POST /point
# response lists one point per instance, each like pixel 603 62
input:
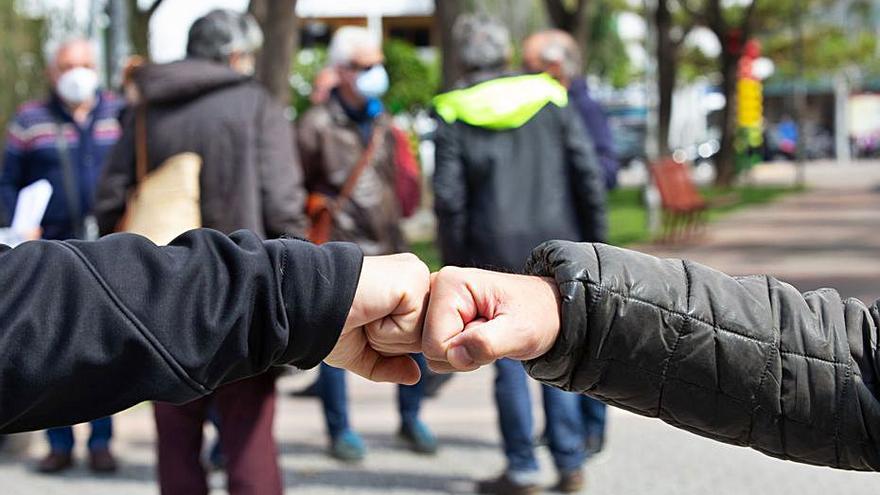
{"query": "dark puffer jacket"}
pixel 748 361
pixel 250 178
pixel 514 168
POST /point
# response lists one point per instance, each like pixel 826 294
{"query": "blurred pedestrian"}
pixel 556 53
pixel 515 167
pixel 351 156
pixel 65 139
pixel 209 104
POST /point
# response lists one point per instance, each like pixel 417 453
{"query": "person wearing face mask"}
pixel 348 150
pixel 65 139
pixel 210 105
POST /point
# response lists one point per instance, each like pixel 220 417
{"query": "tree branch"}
pixel 685 31
pixel 697 16
pixel 558 13
pixel 747 20
pixel 715 17
pixel 153 8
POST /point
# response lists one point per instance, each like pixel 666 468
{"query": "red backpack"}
pixel 408 182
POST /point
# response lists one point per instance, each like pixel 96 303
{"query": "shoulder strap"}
pixel 140 143
pixel 361 166
pixel 71 188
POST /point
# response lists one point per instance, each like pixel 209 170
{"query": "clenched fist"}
pixel 384 324
pixel 476 317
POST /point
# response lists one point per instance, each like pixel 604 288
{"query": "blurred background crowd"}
pixel 465 131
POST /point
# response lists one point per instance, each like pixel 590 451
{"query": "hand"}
pixel 476 317
pixel 32 234
pixel 384 324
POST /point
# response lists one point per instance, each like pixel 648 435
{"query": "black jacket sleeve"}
pixel 748 361
pixel 450 195
pixel 89 329
pixel 587 178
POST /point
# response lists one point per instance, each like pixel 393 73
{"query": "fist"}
pixel 476 317
pixel 384 324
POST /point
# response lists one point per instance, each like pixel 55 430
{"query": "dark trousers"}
pixel 334 397
pixel 61 439
pixel 246 410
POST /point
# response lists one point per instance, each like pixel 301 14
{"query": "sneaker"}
pixel 418 437
pixel 503 485
pixel 348 447
pixel 571 482
pixel 55 462
pixel 102 461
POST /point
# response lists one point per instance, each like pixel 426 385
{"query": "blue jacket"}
pixel 596 124
pixel 32 154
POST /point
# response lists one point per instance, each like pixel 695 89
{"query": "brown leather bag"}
pixel 164 203
pixel 321 208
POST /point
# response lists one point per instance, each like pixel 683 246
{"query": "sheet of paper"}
pixel 31 206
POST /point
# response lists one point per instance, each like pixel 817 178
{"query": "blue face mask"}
pixel 373 82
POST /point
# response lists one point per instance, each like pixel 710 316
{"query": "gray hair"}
pixel 483 42
pixel 54 46
pixel 220 33
pixel 560 48
pixel 347 40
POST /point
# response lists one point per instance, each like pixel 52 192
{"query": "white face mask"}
pixel 77 85
pixel 372 83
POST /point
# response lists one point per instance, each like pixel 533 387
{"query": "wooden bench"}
pixel 684 207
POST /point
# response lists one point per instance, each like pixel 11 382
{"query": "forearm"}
pixel 748 361
pixel 89 329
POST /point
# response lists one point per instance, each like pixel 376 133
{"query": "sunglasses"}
pixel 363 68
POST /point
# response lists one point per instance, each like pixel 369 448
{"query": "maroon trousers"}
pixel 246 409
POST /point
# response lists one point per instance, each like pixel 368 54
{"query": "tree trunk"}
pixel 139 29
pixel 667 68
pixel 447 11
pixel 277 19
pixel 574 22
pixel 726 161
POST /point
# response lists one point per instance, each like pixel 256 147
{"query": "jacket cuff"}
pixel 569 264
pixel 318 287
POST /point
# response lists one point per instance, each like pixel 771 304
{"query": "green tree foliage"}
pixel 306 65
pixel 22 69
pixel 413 82
pixel 605 52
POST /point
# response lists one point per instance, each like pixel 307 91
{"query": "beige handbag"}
pixel 164 203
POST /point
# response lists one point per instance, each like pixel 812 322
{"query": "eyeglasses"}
pixel 363 68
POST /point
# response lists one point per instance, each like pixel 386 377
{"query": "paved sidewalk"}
pixel 824 236
pixel 827 237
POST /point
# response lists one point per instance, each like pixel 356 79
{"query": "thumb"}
pixel 394 369
pixel 482 342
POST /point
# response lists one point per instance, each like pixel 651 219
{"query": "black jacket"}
pixel 514 168
pixel 748 361
pixel 89 329
pixel 250 178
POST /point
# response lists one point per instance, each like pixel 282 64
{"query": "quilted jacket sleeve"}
pixel 748 361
